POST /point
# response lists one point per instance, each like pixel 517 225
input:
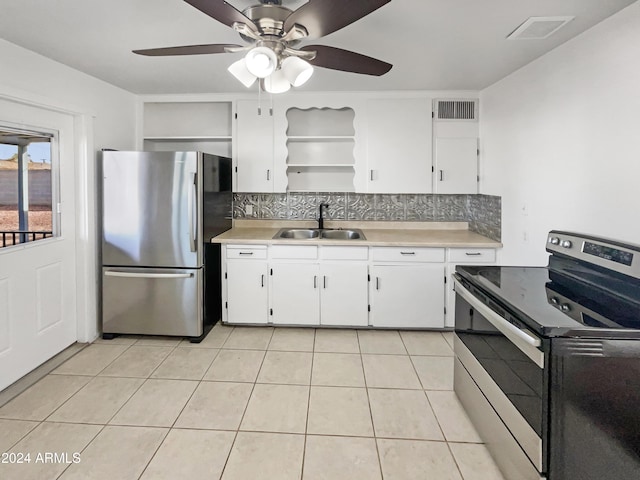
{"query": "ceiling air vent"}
pixel 538 28
pixel 456 109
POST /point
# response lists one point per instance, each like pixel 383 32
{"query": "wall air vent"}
pixel 538 28
pixel 456 109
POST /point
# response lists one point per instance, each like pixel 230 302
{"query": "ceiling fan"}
pixel 274 32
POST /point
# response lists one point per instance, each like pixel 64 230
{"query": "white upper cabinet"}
pixel 254 147
pixel 455 138
pixel 185 126
pixel 399 145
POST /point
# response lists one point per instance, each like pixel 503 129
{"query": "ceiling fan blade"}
pixel 186 50
pixel 322 17
pixel 222 11
pixel 347 61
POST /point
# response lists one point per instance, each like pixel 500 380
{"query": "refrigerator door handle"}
pixel 193 212
pixel 111 273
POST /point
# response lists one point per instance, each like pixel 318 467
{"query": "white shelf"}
pixel 216 138
pixel 321 138
pixel 330 165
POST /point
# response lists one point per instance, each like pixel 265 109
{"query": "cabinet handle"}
pixel 262 283
pixel 474 254
pixel 377 283
pixel 245 253
pixel 324 279
pixel 407 253
pixel 441 175
pixel 315 281
pixel 268 174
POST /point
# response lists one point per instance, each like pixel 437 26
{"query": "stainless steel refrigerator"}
pixel 159 209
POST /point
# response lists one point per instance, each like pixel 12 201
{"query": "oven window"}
pixel 517 376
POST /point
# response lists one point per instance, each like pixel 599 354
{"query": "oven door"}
pixel 506 362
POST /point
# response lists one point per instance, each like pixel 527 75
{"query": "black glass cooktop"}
pixel 562 302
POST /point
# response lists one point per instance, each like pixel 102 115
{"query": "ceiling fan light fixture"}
pixel 296 70
pixel 241 72
pixel 261 61
pixel 277 83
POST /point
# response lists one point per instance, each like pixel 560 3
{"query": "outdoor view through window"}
pixel 26 195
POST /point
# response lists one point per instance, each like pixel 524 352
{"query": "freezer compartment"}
pixel 152 301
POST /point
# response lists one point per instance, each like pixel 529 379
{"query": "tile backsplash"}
pixel 482 212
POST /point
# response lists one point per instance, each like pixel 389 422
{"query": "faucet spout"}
pixel 320 217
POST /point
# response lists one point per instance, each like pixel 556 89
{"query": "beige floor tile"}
pixel 390 371
pixel 336 341
pixel 411 460
pixel 186 363
pixel 403 414
pixel 452 418
pixel 435 373
pixel 137 361
pixel 381 341
pixel 39 400
pixel 91 360
pixel 190 454
pixel 249 338
pixel 293 339
pixel 157 403
pixel 448 336
pixel 117 453
pixel 159 341
pixel 286 367
pixel 277 408
pixel 216 405
pixel 426 343
pixel 337 369
pixel 60 438
pixel 98 401
pixel 13 431
pixel 339 411
pixel 265 456
pixel 341 458
pixel 120 340
pixel 214 339
pixel 475 462
pixel 235 366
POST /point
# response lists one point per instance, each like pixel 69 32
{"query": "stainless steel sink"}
pixel 311 233
pixel 298 233
pixel 353 234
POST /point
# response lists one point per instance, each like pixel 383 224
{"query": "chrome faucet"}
pixel 320 218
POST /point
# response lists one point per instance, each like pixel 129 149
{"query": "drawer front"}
pixel 472 255
pixel 303 252
pixel 247 251
pixel 407 254
pixel 344 253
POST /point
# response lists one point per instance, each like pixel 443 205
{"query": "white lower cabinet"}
pixel 407 296
pixel 247 291
pixel 295 294
pixel 344 294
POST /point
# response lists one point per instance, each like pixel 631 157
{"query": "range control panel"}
pixel 616 256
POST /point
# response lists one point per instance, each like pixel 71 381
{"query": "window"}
pixel 27 186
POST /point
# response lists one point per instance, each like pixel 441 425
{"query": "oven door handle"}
pixel 524 340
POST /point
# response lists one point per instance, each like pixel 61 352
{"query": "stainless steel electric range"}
pixel 548 360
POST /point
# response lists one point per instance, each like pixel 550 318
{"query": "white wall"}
pixel 560 141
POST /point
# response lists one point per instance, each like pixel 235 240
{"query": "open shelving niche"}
pixel 186 126
pixel 320 146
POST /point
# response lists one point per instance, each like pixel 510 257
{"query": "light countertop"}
pixel 415 234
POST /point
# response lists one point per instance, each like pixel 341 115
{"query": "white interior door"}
pixel 38 279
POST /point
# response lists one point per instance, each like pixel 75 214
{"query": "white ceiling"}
pixel 432 44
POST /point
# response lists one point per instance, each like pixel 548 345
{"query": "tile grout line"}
pixel 306 424
pixel 373 426
pixel 83 449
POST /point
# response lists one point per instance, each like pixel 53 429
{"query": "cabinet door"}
pixel 254 147
pixel 344 294
pixel 295 294
pixel 407 296
pixel 456 165
pixel 247 298
pixel 399 145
